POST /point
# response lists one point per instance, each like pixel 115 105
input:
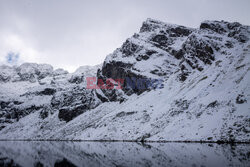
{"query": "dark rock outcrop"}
pixel 234 30
pixel 69 113
pixel 47 91
pixel 72 103
pixel 241 99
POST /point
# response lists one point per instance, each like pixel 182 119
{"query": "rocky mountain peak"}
pixel 161 49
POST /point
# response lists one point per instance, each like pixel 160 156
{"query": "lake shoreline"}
pixel 133 141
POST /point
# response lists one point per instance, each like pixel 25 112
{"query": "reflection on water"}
pixel 71 154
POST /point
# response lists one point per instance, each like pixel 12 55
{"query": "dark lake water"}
pixel 91 154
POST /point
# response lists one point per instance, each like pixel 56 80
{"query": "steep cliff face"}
pixel 160 50
pixel 205 92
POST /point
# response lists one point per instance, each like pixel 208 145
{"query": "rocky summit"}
pixel 205 92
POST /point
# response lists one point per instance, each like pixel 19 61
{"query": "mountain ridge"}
pixel 205 96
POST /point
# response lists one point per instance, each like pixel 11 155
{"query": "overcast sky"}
pixel 72 33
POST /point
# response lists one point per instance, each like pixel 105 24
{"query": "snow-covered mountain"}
pixel 205 92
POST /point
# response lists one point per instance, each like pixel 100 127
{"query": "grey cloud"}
pixel 68 33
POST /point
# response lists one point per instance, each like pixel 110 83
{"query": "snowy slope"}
pixel 206 94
